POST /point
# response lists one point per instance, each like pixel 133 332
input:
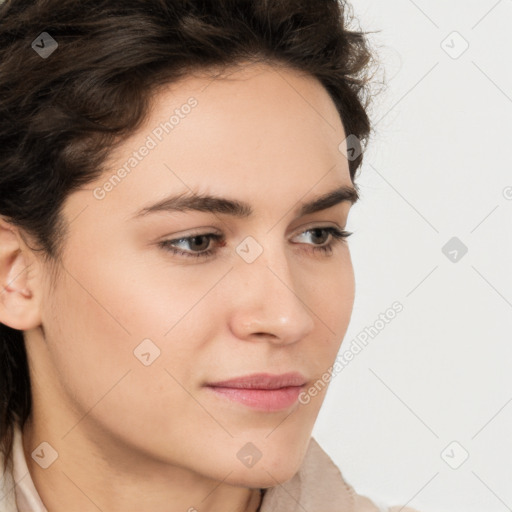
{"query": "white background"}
pixel 438 167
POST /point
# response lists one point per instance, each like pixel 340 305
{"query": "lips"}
pixel 261 391
pixel 265 381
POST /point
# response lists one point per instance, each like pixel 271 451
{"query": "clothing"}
pixel 318 486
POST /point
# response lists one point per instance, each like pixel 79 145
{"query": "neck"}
pixel 76 480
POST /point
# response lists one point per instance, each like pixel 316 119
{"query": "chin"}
pixel 264 473
pixel 260 479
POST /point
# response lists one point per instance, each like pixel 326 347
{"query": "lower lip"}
pixel 267 400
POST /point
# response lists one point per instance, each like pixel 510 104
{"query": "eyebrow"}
pixel 240 209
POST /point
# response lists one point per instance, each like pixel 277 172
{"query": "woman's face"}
pixel 133 332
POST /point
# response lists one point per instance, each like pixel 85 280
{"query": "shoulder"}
pixel 7 496
pixel 319 485
pixel 320 463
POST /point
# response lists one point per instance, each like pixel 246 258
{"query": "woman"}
pixel 176 281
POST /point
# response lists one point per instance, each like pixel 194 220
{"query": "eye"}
pixel 337 236
pixel 202 242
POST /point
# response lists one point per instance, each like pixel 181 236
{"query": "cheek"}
pixel 331 296
pixel 89 346
pixel 330 300
pixel 102 327
pixel 107 385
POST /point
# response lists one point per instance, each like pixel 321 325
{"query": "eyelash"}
pixel 338 236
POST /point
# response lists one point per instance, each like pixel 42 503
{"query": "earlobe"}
pixel 19 307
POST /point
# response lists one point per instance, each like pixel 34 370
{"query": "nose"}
pixel 269 303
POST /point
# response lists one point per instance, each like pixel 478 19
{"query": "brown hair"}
pixel 62 114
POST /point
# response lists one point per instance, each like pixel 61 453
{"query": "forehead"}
pixel 258 129
pixel 250 102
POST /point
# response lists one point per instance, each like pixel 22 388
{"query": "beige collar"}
pixel 318 485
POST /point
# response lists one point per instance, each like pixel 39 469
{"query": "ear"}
pixel 19 292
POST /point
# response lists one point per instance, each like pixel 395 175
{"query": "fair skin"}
pixel 132 437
